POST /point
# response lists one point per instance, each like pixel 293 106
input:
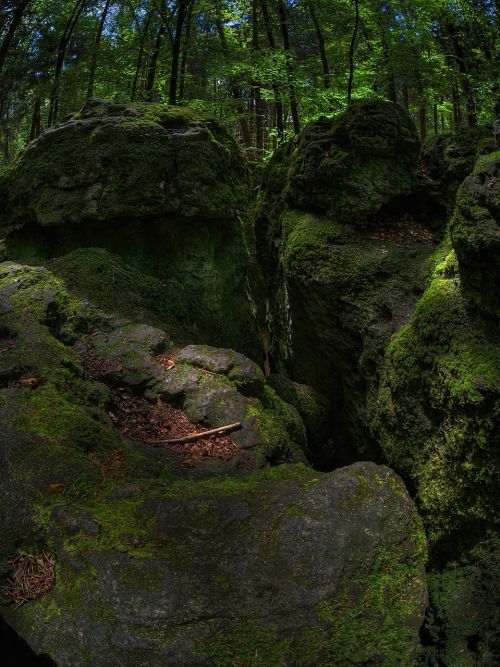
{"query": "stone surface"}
pixel 340 280
pixel 157 199
pixel 302 569
pixel 449 158
pixel 438 407
pixel 158 161
pixel 475 234
pixel 243 372
pixel 348 166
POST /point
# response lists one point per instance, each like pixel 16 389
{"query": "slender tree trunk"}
pixel 185 48
pixel 435 118
pixel 288 59
pixel 321 44
pixel 36 121
pixel 352 46
pixel 422 108
pixel 406 98
pixel 258 107
pixel 61 53
pixel 278 104
pixel 138 66
pixel 176 47
pixel 14 24
pixel 93 64
pixel 153 63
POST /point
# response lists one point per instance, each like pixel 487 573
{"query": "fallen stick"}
pixel 200 436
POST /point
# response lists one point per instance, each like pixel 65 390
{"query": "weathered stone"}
pixel 163 192
pixel 245 373
pixel 475 234
pixel 306 569
pixel 348 166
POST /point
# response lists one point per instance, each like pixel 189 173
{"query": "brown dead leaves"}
pixel 33 577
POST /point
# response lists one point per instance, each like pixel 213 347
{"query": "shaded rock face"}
pixel 229 578
pixel 475 234
pixel 449 158
pixel 156 186
pixel 345 261
pixel 437 419
pixel 465 600
pixel 113 162
pixel 437 412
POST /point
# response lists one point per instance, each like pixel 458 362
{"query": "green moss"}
pixel 438 408
pixel 281 430
pixel 249 644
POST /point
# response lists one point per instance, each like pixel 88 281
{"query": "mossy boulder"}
pixel 164 192
pixel 475 234
pixel 449 158
pixel 438 410
pixel 348 166
pixel 283 566
pixel 133 162
pixel 345 255
pixel 227 581
pixel 217 387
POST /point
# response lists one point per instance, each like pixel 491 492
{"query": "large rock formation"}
pixel 156 564
pixel 475 234
pixel 157 186
pixel 344 273
pixel 437 418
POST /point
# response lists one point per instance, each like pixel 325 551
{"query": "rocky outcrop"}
pixel 159 187
pixel 344 259
pixel 225 575
pixel 437 411
pixel 449 158
pixel 475 234
pixel 348 166
pixel 161 565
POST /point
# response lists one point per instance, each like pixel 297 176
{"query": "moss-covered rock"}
pixel 160 188
pixel 345 257
pixel 475 234
pixel 228 581
pixel 438 410
pixel 339 296
pixel 449 158
pixel 463 617
pixel 348 166
pixel 220 387
pixel 133 162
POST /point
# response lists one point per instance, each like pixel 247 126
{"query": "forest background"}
pixel 263 67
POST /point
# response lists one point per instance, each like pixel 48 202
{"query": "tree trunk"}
pixel 93 64
pixel 36 121
pixel 182 79
pixel 138 66
pixel 406 98
pixel 258 106
pixel 176 48
pixel 278 104
pixel 321 44
pixel 61 53
pixel 235 91
pixel 14 24
pixel 288 59
pixel 352 46
pixel 153 63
